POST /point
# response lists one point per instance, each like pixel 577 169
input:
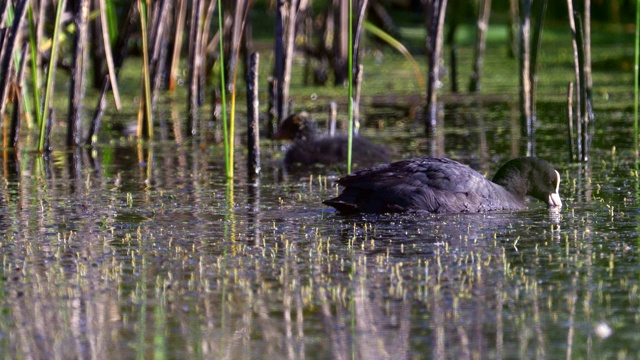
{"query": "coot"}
pixel 439 185
pixel 310 148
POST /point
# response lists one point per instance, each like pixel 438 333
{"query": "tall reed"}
pixel 635 79
pixel 44 113
pixel 35 72
pixel 350 91
pixel 145 122
pixel 232 119
pixel 108 25
pixel 228 157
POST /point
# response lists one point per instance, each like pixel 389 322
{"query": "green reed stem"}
pixel 112 20
pixel 44 113
pixel 350 62
pixel 223 88
pixel 635 79
pixel 17 57
pixel 145 68
pixel 35 74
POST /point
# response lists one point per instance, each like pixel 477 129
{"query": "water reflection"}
pixel 133 251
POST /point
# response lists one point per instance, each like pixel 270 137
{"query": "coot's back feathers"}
pixel 440 185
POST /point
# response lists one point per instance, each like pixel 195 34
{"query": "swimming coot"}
pixel 439 185
pixel 310 148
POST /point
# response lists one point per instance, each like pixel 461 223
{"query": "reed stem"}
pixel 350 91
pixel 635 78
pixel 223 89
pixel 50 77
pixel 35 72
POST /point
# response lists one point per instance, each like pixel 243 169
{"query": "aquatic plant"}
pixel 636 74
pixel 48 92
pixel 350 89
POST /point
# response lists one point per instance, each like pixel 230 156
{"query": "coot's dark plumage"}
pixel 310 148
pixel 439 185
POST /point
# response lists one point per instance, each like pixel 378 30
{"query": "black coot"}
pixel 439 185
pixel 310 148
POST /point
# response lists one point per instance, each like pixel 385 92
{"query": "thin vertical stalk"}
pixel 35 71
pixel 223 88
pixel 195 63
pixel 570 118
pixel 159 40
pixel 288 54
pixel 341 42
pixel 278 66
pixel 272 106
pixel 234 37
pixel 587 46
pixel 578 85
pixel 362 10
pixel 15 122
pixel 356 67
pixel 524 61
pixel 350 91
pixel 107 40
pixel 77 88
pixel 333 118
pixel 536 44
pixel 636 73
pixel 582 90
pixel 11 43
pixel 48 92
pixel 232 122
pixel 23 99
pixel 356 98
pixel 450 40
pixel 513 28
pixel 436 10
pixel 120 50
pixel 146 76
pixel 112 19
pixel 253 135
pixel 175 58
pixel 484 11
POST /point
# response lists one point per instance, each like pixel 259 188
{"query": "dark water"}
pixel 132 251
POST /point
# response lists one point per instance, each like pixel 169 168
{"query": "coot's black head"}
pixel 530 176
pixel 298 126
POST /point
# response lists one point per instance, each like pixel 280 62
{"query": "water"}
pixel 130 251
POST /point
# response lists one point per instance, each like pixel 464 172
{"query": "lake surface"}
pixel 144 251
